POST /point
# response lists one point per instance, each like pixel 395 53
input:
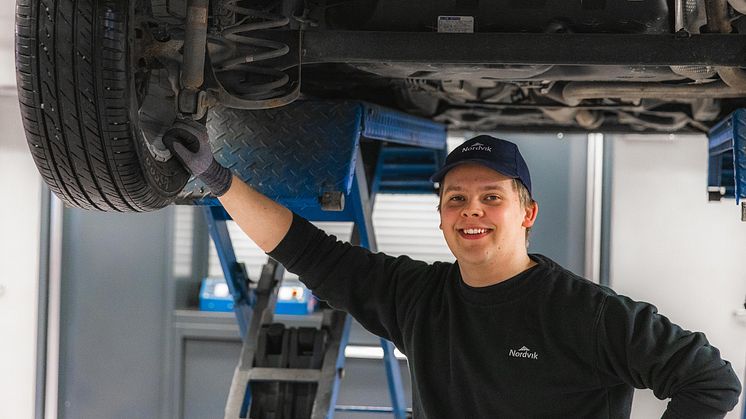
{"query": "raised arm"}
pixel 265 221
pixel 368 286
pixel 261 218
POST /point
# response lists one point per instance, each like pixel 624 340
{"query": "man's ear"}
pixel 530 213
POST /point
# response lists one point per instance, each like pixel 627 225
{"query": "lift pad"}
pixel 727 160
pixel 325 161
pixel 303 155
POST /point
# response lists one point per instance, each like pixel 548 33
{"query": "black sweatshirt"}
pixel 543 344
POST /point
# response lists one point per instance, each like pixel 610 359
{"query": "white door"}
pixel 671 247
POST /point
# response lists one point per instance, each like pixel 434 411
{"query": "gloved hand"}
pixel 188 141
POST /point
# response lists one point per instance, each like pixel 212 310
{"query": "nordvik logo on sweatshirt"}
pixel 477 147
pixel 524 352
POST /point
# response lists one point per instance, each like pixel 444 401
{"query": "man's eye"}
pixel 492 197
pixel 456 198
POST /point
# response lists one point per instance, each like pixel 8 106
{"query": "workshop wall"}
pixel 114 313
pixel 673 248
pixel 19 262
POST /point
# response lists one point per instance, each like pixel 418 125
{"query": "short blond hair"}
pixel 525 200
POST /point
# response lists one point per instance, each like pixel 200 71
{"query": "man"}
pixel 500 333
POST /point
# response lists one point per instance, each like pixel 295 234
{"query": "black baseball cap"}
pixel 499 155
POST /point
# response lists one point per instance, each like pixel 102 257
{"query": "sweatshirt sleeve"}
pixel 376 289
pixel 645 350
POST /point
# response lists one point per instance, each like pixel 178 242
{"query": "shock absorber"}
pixel 263 82
pixel 191 98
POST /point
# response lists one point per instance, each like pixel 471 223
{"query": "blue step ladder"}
pixel 326 161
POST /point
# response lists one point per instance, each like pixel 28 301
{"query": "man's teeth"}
pixel 475 230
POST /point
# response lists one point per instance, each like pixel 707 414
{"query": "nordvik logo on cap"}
pixel 477 147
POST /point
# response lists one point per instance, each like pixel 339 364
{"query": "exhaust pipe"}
pixel 738 5
pixel 733 84
pixel 717 21
pixel 574 92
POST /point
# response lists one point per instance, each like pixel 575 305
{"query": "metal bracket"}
pixel 332 201
pixel 194 103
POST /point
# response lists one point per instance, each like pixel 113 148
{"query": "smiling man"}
pixel 500 333
pixel 486 210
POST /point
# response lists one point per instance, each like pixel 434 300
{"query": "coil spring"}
pixel 233 70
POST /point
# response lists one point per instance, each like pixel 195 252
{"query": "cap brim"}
pixel 440 174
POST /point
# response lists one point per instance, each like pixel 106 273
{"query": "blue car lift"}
pixel 727 160
pixel 726 167
pixel 325 161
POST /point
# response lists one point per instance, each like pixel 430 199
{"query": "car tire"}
pixel 81 90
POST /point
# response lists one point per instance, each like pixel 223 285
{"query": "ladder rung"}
pixel 296 375
pixel 364 409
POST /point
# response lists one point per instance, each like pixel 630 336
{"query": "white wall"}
pixel 19 257
pixel 674 249
pixel 7 31
pixel 19 242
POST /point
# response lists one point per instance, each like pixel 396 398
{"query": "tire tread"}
pixel 75 98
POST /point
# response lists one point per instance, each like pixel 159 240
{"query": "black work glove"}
pixel 188 140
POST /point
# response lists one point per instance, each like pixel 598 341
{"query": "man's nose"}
pixel 472 209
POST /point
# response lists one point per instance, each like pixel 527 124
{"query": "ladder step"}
pixel 423 184
pixel 295 375
pixel 409 167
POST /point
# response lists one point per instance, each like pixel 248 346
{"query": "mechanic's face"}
pixel 481 215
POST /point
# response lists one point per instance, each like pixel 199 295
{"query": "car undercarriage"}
pixel 101 81
pixel 596 65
